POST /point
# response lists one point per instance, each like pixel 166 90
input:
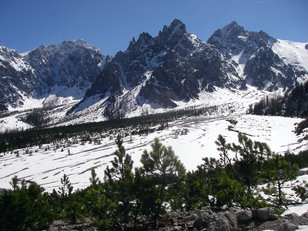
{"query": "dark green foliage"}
pixel 223 147
pixel 229 191
pixel 293 103
pixel 99 207
pixel 278 170
pixel 68 204
pixel 301 159
pixel 136 200
pixel 162 169
pixel 249 164
pixel 37 118
pixel 66 189
pixel 94 180
pixel 118 180
pixel 236 181
pixel 26 207
pixel 301 191
pixel 193 192
pixel 73 209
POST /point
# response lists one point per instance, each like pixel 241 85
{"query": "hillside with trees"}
pixel 293 103
pixel 142 198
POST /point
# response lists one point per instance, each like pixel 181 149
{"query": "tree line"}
pixel 293 103
pixel 137 198
pixel 41 134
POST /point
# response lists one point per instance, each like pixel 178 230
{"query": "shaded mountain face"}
pixel 177 66
pixel 16 78
pixel 70 64
pixel 174 66
pixel 159 72
pixel 254 57
pixel 65 70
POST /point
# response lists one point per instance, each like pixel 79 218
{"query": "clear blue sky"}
pixel 111 24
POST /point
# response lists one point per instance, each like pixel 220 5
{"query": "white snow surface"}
pixel 293 53
pixel 297 209
pixel 13 122
pixel 47 164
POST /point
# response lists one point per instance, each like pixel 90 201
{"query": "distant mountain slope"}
pixel 17 79
pixel 177 66
pixel 64 70
pixel 173 69
pixel 174 66
pixel 293 103
pixel 260 59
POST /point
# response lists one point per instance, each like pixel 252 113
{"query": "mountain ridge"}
pixel 162 72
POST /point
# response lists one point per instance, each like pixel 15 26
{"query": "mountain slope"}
pixel 259 58
pixel 47 74
pixel 175 66
pixel 173 70
pixel 191 138
pixel 293 103
pixel 16 78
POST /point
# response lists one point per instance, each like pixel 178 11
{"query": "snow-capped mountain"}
pixel 174 69
pixel 48 73
pixel 259 58
pixel 17 79
pixel 176 66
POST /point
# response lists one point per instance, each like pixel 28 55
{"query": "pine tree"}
pixel 229 190
pixel 162 167
pixel 279 171
pixel 71 207
pixel 118 181
pixel 26 207
pixel 94 180
pixel 99 207
pixel 248 166
pixel 223 147
pixel 66 189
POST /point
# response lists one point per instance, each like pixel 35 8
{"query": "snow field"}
pixel 192 139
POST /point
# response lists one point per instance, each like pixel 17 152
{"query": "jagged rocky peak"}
pixel 231 30
pixel 176 25
pixel 228 31
pixel 144 40
pixel 234 39
pixel 64 47
pixel 79 43
pixel 229 38
pixel 172 34
pixel 71 64
pixel 7 53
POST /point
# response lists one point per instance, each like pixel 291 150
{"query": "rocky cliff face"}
pixel 253 57
pixel 16 78
pixel 175 66
pixel 70 64
pixel 64 70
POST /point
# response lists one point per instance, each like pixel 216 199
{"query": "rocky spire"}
pixel 172 34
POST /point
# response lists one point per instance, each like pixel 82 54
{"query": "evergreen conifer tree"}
pixel 162 167
pixel 279 171
pixel 118 181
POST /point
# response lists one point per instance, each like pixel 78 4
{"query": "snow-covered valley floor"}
pixel 191 138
